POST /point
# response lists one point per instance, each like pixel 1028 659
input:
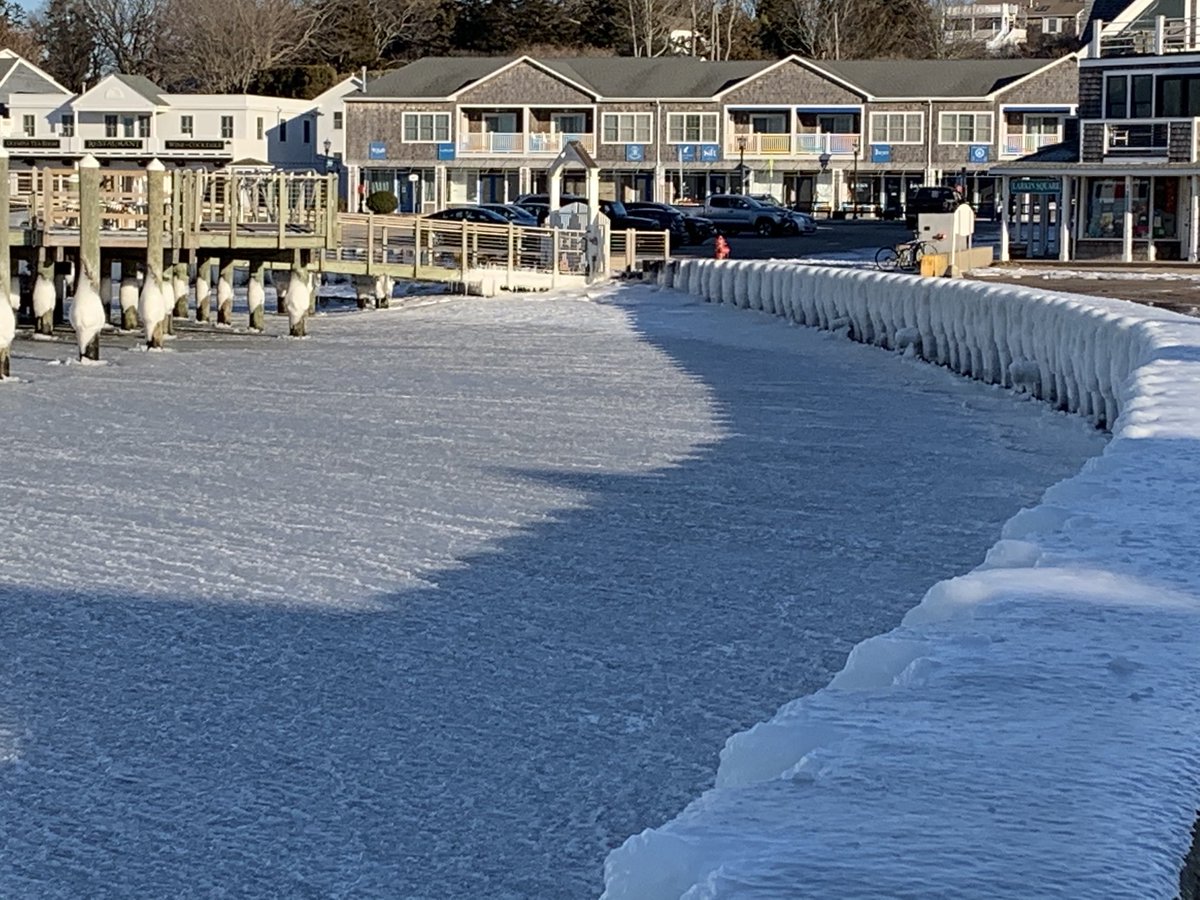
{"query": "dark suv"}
pixel 618 217
pixel 931 200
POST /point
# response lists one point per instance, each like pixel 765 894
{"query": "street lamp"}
pixel 741 141
pixel 328 160
pixel 854 192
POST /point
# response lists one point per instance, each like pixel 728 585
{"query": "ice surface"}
pixel 1030 728
pixel 448 601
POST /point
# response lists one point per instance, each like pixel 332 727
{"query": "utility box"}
pixel 950 233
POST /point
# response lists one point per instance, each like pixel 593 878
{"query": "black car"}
pixel 931 200
pixel 468 214
pixel 518 215
pixel 669 219
pixel 698 228
pixel 618 215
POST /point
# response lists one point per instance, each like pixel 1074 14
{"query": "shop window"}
pixel 1154 203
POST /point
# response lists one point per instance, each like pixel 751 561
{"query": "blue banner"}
pixel 710 152
pixel 377 150
pixel 687 152
pixel 635 153
pixel 979 153
pixel 445 151
pixel 881 153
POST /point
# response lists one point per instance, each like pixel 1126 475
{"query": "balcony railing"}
pixel 816 143
pixel 543 142
pixel 1136 138
pixel 1024 144
pixel 760 144
pixel 498 143
pixel 1159 36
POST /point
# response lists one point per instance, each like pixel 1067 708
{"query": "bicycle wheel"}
pixel 919 250
pixel 887 258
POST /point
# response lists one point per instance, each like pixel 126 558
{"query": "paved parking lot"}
pixel 833 239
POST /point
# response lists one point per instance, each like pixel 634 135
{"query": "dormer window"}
pixel 67 126
pixel 29 125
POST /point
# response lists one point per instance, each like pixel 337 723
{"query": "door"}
pixel 497 187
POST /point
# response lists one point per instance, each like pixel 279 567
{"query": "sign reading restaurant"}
pixel 111 144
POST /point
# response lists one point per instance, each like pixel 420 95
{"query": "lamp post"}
pixel 854 191
pixel 328 160
pixel 742 164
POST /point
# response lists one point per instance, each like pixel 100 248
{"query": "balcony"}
pixel 1024 144
pixel 492 143
pixel 1159 37
pixel 795 145
pixel 545 142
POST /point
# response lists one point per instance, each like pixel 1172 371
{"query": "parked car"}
pixel 539 211
pixel 698 228
pixel 618 216
pixel 518 215
pixel 795 223
pixel 468 214
pixel 931 200
pixel 733 213
pixel 669 219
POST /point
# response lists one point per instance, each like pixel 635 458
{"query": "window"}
pixel 1051 25
pixel 143 126
pixel 283 130
pixel 337 121
pixel 127 124
pixel 68 125
pixel 1154 206
pixel 568 123
pixel 226 126
pixel 426 128
pixel 186 126
pixel 29 125
pixel 965 128
pixel 627 128
pixel 307 131
pixel 1129 96
pixel 1178 96
pixel 691 128
pixel 897 128
pixel 110 126
pixel 259 132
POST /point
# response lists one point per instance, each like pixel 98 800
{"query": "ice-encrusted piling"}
pixel 297 301
pixel 383 291
pixel 45 296
pixel 225 292
pixel 127 295
pixel 179 282
pixel 256 294
pixel 87 311
pixel 364 290
pixel 204 270
pixel 87 314
pixel 153 311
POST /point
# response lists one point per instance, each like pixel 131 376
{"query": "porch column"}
pixel 1064 220
pixel 1194 219
pixel 1044 225
pixel 1127 222
pixel 1004 179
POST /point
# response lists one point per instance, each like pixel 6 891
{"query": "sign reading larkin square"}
pixel 1035 186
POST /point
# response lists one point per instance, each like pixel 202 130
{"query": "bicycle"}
pixel 906 257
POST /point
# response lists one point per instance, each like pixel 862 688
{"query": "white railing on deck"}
pixel 1146 38
pixel 1024 144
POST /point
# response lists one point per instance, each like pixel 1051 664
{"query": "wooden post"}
pixel 234 205
pixel 512 249
pixel 417 247
pixel 85 307
pixel 5 233
pixel 225 292
pixel 297 298
pixel 554 241
pixel 464 261
pixel 60 285
pixel 155 219
pixel 370 243
pixel 282 189
pixel 255 293
pixel 179 285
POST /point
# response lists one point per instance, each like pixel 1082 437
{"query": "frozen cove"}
pixel 451 601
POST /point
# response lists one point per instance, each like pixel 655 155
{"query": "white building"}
pixel 994 25
pixel 128 119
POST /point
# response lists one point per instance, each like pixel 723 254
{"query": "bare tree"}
pixel 649 31
pixel 130 34
pixel 221 45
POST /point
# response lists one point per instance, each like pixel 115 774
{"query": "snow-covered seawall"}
pixel 1032 729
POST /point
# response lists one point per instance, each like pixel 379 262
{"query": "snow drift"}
pixel 1030 729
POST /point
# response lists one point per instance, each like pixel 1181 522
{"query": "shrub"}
pixel 382 202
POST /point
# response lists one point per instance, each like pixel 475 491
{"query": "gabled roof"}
pixel 688 78
pixel 925 78
pixel 120 88
pixel 19 76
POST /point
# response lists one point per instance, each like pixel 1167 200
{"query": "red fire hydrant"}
pixel 721 247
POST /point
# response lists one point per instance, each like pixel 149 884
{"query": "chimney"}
pixel 363 82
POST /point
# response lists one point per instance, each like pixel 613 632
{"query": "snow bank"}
pixel 1031 727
